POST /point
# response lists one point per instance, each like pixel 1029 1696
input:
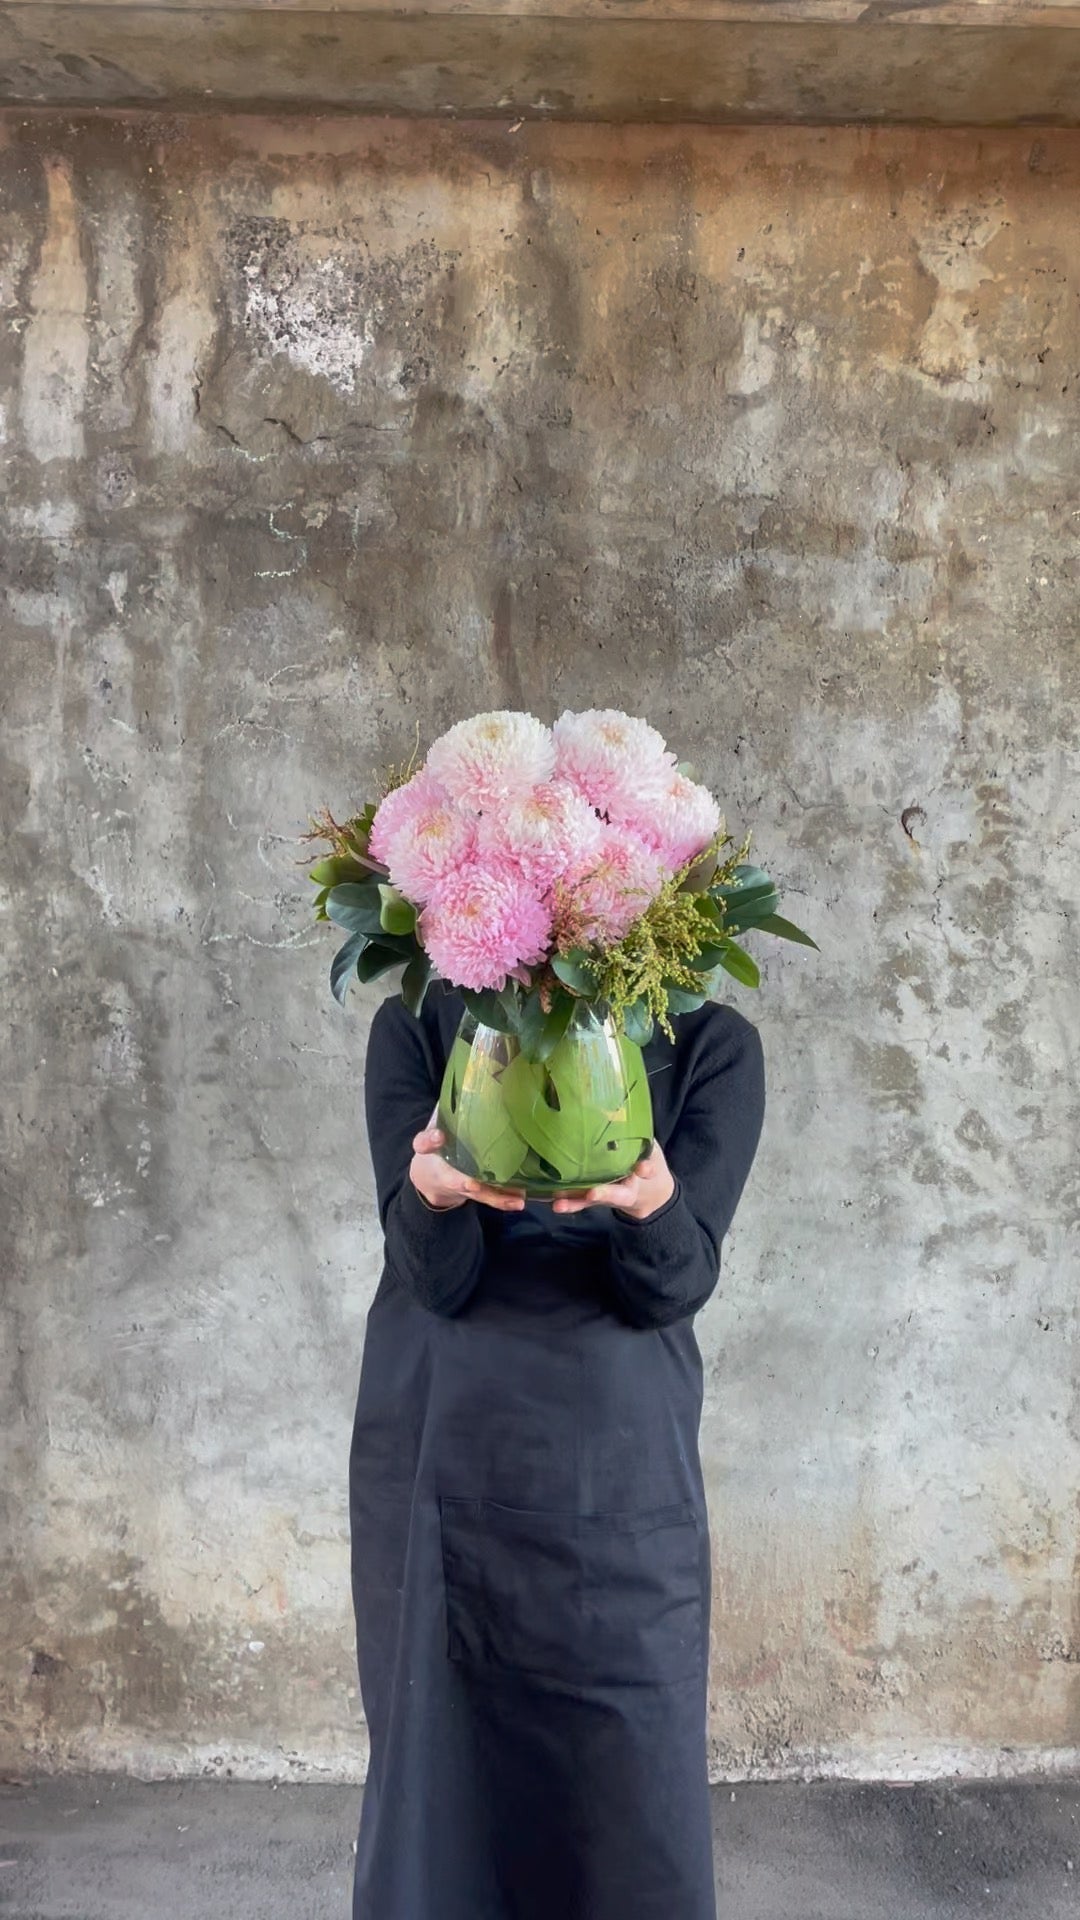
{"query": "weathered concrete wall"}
pixel 319 432
pixel 942 63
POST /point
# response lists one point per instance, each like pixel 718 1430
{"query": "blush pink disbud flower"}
pixel 482 921
pixel 400 808
pixel 551 831
pixel 508 816
pixel 617 762
pixel 492 759
pixel 680 819
pixel 608 895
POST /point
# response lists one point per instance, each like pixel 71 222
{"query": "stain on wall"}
pixel 321 433
pixel 965 63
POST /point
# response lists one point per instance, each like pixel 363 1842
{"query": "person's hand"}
pixel 443 1186
pixel 645 1188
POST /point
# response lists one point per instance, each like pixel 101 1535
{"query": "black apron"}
pixel 530 1544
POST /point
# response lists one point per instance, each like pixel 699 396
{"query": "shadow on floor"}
pixel 105 1848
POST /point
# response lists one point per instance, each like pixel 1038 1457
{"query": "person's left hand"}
pixel 645 1188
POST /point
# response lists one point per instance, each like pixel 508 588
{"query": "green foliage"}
pixel 396 914
pixel 376 959
pixel 786 930
pixel 576 969
pixel 335 870
pixel 672 957
pixel 498 1010
pixel 748 900
pixel 581 1116
pixel 357 907
pixel 415 982
pixel 638 1022
pixel 343 965
pixel 740 964
pixel 540 1029
pixel 653 963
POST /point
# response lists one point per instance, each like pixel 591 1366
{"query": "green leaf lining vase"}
pixel 555 1126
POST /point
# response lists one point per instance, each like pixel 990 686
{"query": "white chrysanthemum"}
pixel 492 758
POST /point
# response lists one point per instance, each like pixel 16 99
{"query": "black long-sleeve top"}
pixel 708 1093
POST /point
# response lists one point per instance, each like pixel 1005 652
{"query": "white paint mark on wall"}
pixel 56 519
pixel 116 586
pixel 56 348
pixel 282 573
pixel 313 319
pixel 184 332
pixel 319 300
pixel 758 363
pixel 952 347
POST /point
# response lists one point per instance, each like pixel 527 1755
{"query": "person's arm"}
pixel 664 1267
pixel 437 1253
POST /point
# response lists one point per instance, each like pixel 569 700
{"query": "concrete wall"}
pixel 322 431
pixel 941 63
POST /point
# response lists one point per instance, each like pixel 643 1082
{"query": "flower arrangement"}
pixel 537 868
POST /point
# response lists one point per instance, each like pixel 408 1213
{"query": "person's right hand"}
pixel 443 1186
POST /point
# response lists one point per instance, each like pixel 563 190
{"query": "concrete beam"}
pixel 989 63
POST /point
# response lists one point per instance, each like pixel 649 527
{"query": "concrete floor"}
pixel 103 1848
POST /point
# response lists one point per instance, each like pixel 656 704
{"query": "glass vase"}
pixel 549 1127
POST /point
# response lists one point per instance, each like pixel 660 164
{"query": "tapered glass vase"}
pixel 557 1126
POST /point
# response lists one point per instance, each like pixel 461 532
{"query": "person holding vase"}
pixel 530 1541
pixel 562 1117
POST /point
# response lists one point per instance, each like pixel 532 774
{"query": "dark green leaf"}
pixel 741 965
pixel 358 910
pixel 638 1023
pixel 706 958
pixel 376 959
pixel 489 1007
pixel 343 964
pixel 540 1032
pixel 510 995
pixel 356 905
pixel 679 1001
pixel 748 902
pixel 531 1024
pixel 415 980
pixel 572 970
pixel 785 930
pixel 746 890
pixel 747 875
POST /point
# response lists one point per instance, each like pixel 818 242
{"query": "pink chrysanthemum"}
pixel 493 758
pixel 482 921
pixel 679 820
pixel 600 903
pixel 617 762
pixel 425 849
pixel 550 832
pixel 402 807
